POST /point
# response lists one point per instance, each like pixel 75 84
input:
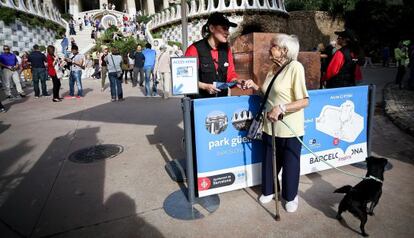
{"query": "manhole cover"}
pixel 95 153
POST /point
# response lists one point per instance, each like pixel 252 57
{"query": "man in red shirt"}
pixel 343 69
pixel 215 58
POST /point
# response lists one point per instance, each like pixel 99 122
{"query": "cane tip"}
pixel 277 218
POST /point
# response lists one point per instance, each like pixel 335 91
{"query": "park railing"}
pixel 205 7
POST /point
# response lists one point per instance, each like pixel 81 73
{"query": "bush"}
pixel 66 16
pixel 7 15
pixel 143 19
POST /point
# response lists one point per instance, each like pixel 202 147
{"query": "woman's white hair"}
pixel 289 42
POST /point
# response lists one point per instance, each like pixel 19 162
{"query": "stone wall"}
pixel 313 27
pixel 21 36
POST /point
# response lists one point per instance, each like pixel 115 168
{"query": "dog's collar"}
pixel 374 178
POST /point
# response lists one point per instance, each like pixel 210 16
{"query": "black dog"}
pixel 368 190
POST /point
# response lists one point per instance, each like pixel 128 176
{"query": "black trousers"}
pixel 400 75
pixel 56 87
pixel 288 158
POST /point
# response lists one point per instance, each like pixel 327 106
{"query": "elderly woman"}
pixel 288 97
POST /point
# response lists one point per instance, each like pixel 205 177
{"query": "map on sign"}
pixel 340 122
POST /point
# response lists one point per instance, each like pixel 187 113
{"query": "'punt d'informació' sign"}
pixel 335 129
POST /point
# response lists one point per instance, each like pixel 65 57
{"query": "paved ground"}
pixel 44 194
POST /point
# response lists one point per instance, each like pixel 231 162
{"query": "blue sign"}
pixel 335 129
pixel 226 159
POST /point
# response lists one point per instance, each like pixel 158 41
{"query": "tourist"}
pixel 401 59
pixel 149 63
pixel 93 35
pixel 104 68
pixel 10 66
pixel 126 68
pixel 214 55
pixel 95 58
pixel 52 61
pixel 72 27
pixel 72 43
pixel 288 97
pixel 37 61
pixel 26 70
pixel 80 24
pixel 76 62
pixel 164 71
pixel 343 70
pixel 114 61
pixel 139 60
pixel 19 70
pixel 65 45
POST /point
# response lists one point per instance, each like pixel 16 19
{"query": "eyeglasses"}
pixel 6 48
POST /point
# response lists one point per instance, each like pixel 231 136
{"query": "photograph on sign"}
pixel 184 75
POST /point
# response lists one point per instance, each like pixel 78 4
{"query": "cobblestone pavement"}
pixel 399 107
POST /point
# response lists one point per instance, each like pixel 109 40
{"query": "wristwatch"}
pixel 283 108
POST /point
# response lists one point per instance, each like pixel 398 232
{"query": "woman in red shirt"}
pixel 51 62
pixel 215 58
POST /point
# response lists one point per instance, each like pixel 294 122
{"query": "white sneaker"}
pixel 266 199
pixel 292 206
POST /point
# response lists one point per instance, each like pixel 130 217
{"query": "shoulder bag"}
pixel 256 128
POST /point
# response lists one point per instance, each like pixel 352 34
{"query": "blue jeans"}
pixel 75 76
pixel 148 72
pixel 116 86
pixel 39 74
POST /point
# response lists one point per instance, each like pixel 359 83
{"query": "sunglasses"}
pixel 6 48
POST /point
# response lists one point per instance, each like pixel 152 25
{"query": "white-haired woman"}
pixel 288 97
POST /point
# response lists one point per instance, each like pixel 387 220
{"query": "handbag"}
pixel 255 131
pixel 118 73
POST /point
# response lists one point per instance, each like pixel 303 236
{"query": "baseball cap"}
pixel 346 34
pixel 218 19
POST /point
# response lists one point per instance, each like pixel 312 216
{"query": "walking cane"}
pixel 277 216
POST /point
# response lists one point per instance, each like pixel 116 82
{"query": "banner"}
pixel 335 129
pixel 225 159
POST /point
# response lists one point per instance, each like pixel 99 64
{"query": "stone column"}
pixel 131 7
pixel 74 8
pixel 165 4
pixel 149 7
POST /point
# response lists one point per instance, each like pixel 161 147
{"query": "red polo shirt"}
pixel 231 73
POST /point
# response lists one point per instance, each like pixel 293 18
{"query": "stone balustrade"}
pixel 206 7
pixel 35 7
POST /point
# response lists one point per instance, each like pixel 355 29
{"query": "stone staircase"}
pixel 82 39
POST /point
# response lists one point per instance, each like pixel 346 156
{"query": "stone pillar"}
pixel 165 4
pixel 149 7
pixel 74 8
pixel 131 7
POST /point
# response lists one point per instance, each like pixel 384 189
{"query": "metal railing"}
pixel 205 7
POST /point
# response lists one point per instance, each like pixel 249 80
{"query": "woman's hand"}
pixel 246 84
pixel 210 88
pixel 274 114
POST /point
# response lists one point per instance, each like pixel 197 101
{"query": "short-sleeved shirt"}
pixel 289 86
pixel 8 59
pixel 37 59
pixel 77 58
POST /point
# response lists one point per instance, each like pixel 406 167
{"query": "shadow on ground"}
pixel 52 196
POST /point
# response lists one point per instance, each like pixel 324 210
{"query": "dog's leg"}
pixel 362 215
pixel 341 208
pixel 374 204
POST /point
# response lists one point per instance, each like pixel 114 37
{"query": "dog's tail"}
pixel 344 189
